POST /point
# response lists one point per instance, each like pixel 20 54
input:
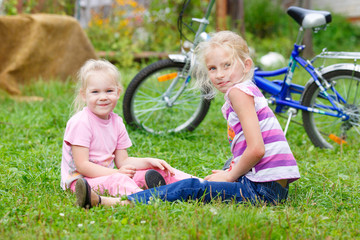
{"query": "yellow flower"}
pixel 132 3
pixel 123 23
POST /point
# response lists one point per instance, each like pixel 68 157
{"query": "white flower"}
pixel 62 214
pixel 213 211
pixel 80 225
pixel 92 222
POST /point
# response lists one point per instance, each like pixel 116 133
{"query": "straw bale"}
pixel 45 46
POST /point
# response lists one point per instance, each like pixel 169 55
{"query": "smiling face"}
pixel 224 70
pixel 101 94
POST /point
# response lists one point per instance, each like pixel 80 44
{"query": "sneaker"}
pixel 154 179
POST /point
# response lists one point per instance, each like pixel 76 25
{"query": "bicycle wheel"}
pixel 146 100
pixel 323 130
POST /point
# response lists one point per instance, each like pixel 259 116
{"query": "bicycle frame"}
pixel 281 90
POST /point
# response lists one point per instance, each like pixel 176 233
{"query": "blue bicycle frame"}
pixel 281 90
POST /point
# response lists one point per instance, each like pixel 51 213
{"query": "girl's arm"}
pixel 244 107
pixel 122 159
pixel 87 168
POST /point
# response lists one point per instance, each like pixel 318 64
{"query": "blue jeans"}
pixel 243 190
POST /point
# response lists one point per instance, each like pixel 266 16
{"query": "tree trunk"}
pixel 221 9
pixel 236 11
pixel 19 6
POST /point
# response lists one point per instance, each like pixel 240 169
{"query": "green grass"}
pixel 324 203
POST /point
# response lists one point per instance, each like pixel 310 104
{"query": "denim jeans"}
pixel 243 190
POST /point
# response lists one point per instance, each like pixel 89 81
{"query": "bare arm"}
pixel 244 108
pixel 87 168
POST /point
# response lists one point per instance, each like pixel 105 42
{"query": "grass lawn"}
pixel 323 204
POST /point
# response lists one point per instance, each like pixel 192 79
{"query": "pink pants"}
pixel 120 184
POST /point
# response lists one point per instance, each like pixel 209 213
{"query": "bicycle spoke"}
pixel 142 93
pixel 186 102
pixel 150 109
pixel 356 92
pixel 357 130
pixel 147 118
pixel 329 124
pixel 344 92
pixel 186 109
pixel 149 101
pixel 190 98
pixel 182 107
pixel 142 112
pixel 347 92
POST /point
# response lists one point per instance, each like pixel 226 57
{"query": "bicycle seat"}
pixel 309 18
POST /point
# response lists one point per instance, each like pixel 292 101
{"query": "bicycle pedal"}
pixel 271 101
pixel 292 112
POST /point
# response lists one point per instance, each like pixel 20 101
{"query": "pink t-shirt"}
pixel 102 137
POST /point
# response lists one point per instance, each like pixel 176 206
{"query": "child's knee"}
pixel 120 179
pixel 195 182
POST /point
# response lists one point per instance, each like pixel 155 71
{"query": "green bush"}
pixel 263 18
pixel 31 6
pixel 131 28
pixel 269 28
pixel 340 35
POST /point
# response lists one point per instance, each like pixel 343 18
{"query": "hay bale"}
pixel 40 46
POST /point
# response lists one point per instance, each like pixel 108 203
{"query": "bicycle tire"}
pixel 145 108
pixel 324 131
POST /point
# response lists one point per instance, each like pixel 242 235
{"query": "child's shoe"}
pixel 154 179
pixel 85 197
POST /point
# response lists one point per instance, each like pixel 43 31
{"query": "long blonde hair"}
pixel 85 71
pixel 229 41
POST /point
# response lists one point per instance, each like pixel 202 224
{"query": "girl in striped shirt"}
pixel 261 157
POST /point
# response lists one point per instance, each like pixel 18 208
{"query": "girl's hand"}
pixel 219 176
pixel 161 164
pixel 122 159
pixel 128 170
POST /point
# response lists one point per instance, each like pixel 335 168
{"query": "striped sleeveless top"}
pixel 278 161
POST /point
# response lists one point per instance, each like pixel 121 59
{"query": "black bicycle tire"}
pixel 317 137
pixel 142 76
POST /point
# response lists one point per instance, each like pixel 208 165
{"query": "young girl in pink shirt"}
pixel 96 140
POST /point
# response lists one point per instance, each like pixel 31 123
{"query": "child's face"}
pixel 101 94
pixel 224 71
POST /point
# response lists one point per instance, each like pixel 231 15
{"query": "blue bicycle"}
pixel 160 100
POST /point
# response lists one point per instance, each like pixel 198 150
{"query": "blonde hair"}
pixel 228 41
pixel 85 71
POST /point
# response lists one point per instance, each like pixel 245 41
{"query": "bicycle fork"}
pixel 184 74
